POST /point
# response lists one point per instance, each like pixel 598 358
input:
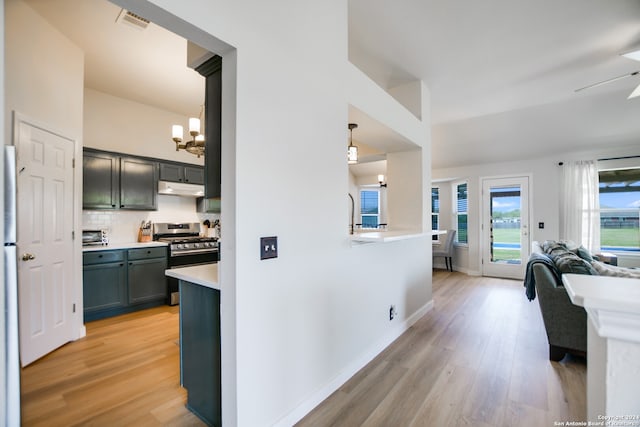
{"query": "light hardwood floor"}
pixel 125 372
pixel 479 358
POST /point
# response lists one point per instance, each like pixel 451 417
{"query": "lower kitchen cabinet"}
pixel 120 281
pixel 104 285
pixel 200 366
pixel 146 278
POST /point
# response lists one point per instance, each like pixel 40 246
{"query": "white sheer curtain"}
pixel 580 205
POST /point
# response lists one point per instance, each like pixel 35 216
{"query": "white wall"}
pixel 44 74
pixel 44 81
pixel 116 124
pixel 307 319
pixel 544 190
pixel 4 404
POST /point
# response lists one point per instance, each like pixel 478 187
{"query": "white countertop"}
pixel 619 294
pixel 123 245
pixel 386 236
pixel 205 275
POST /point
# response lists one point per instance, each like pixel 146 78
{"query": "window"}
pixel 369 208
pixel 435 210
pixel 461 213
pixel 620 209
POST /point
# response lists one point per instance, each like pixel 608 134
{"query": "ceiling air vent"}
pixel 132 20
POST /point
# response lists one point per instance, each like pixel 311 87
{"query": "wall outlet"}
pixel 268 247
pixel 392 312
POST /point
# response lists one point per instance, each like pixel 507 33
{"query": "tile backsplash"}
pixel 123 225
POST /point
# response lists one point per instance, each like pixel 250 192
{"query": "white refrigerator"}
pixel 12 364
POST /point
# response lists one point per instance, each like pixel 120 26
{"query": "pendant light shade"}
pixel 352 150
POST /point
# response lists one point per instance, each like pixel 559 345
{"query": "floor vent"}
pixel 131 19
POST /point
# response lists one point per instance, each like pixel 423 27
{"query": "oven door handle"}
pixel 192 252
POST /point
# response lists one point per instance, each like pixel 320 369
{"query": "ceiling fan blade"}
pixel 635 73
pixel 636 92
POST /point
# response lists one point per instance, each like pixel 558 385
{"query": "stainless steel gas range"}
pixel 186 247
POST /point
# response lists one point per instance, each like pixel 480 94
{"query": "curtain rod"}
pixel 619 158
pixel 609 158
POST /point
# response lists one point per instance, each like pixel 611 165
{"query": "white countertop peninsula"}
pixel 386 236
pixel 205 275
pixel 122 245
pixel 613 344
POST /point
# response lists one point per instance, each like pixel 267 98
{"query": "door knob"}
pixel 28 257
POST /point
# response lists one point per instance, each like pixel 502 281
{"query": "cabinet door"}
pixel 147 281
pixel 100 180
pixel 138 184
pixel 104 286
pixel 171 172
pixel 194 175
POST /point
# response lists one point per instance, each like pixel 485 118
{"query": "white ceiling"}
pixel 502 73
pixel 148 66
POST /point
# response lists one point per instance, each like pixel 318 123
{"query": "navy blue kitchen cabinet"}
pixel 138 184
pixel 100 180
pixel 211 70
pixel 181 172
pixel 200 367
pixel 116 181
pixel 145 272
pixel 121 281
pixel 104 282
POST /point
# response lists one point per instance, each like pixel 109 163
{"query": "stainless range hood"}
pixel 180 189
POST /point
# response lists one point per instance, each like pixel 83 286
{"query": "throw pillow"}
pixel 584 253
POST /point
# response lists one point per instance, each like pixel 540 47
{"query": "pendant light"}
pixel 352 150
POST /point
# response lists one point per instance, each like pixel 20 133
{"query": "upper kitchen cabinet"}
pixel 114 181
pixel 212 72
pixel 138 184
pixel 179 172
pixel 101 180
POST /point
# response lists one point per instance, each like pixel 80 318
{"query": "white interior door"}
pixel 45 244
pixel 505 227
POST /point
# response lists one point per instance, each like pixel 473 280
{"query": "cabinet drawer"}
pixel 101 257
pixel 144 253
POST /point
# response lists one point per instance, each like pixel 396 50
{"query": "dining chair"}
pixel 446 250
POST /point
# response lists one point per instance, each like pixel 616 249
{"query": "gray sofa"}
pixel 565 323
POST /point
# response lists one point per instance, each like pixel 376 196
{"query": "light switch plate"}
pixel 268 247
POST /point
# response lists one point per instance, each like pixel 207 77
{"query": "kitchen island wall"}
pixel 123 225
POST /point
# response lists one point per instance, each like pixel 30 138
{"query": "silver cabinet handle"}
pixel 28 257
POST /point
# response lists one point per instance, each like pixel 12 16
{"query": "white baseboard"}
pixel 316 398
